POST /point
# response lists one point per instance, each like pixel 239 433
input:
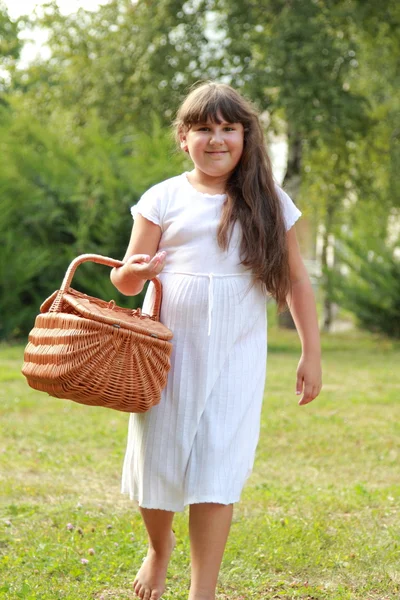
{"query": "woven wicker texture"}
pixel 94 352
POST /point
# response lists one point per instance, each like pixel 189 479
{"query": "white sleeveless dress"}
pixel 198 444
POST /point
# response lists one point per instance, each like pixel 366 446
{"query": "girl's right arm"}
pixel 142 261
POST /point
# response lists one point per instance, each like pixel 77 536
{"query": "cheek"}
pixel 239 142
pixel 239 147
pixel 196 145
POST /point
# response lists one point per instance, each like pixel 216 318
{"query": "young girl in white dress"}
pixel 219 237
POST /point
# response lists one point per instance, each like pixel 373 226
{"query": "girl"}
pixel 218 237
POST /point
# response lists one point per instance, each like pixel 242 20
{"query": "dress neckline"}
pixel 204 194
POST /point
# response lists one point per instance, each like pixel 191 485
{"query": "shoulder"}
pixel 165 187
pixel 153 204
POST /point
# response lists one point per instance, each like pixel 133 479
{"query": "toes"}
pixel 138 587
pixel 147 595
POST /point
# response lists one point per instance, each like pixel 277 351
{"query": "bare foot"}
pixel 150 580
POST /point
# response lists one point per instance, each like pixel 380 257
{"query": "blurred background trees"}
pixel 84 132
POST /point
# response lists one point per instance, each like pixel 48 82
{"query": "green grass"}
pixel 319 517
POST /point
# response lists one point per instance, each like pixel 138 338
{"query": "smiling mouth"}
pixel 217 151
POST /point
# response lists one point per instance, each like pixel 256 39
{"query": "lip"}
pixel 216 151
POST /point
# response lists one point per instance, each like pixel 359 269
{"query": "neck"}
pixel 206 182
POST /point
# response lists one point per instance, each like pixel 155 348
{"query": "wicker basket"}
pixel 96 353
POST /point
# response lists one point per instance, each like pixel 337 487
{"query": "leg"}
pixel 150 580
pixel 209 526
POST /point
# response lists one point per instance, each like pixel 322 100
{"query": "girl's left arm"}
pixel 302 306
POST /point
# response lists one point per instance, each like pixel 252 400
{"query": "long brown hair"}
pixel 252 198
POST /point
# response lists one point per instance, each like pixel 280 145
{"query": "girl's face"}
pixel 215 148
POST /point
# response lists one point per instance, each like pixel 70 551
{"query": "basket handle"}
pixel 109 262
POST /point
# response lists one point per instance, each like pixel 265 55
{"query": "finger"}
pixel 161 256
pixel 138 258
pixel 157 258
pixel 161 262
pixel 158 264
pixel 299 384
pixel 317 390
pixel 307 396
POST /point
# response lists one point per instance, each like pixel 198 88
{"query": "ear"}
pixel 183 142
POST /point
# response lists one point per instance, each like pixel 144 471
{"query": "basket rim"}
pixel 143 323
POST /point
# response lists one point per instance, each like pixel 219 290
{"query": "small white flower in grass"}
pixel 70 527
pixel 91 551
pixel 7 523
pixel 84 561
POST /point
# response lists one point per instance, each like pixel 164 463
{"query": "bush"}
pixel 370 285
pixel 66 190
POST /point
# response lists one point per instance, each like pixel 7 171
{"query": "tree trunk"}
pixel 292 178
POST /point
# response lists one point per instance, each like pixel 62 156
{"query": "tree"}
pixel 324 72
pixel 126 60
pixel 65 192
pixel 314 66
pixel 10 46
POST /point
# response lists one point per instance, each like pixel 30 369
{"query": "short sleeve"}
pixel 148 206
pixel 290 211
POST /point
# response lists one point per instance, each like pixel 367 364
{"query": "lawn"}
pixel 319 517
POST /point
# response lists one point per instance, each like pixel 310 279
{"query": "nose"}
pixel 216 138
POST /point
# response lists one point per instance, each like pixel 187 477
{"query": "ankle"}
pixel 201 595
pixel 162 547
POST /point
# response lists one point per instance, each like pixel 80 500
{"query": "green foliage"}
pixel 370 287
pixel 127 60
pixel 65 191
pixel 10 45
pixel 297 57
pixel 325 71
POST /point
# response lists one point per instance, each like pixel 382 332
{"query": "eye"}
pixel 200 127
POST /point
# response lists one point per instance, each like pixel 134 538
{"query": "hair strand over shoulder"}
pixel 252 195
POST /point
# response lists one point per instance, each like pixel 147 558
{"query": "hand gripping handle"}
pixel 109 262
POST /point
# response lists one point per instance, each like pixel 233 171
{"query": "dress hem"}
pixel 181 508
